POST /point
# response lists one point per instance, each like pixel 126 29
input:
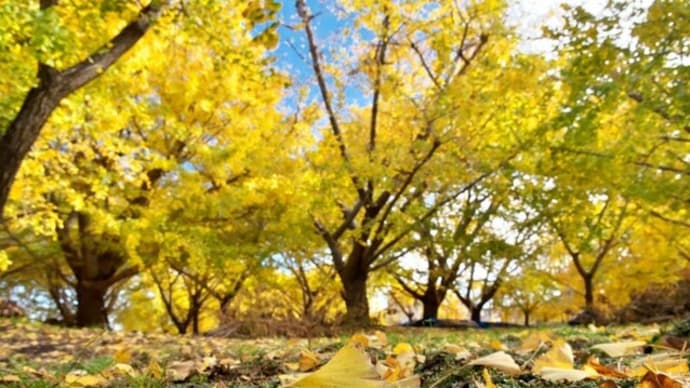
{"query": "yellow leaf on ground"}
pixel 499 360
pixel 80 378
pixel 403 347
pixel 307 361
pixel 658 380
pixel 360 338
pixel 604 370
pixel 487 379
pixel 560 356
pixel 617 349
pixel 10 379
pixel 180 370
pixel 566 374
pixel 123 355
pixel 497 345
pixel 349 367
pixel 459 352
pixel 533 341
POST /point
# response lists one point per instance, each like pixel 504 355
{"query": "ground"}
pixel 36 355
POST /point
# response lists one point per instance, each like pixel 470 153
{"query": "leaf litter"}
pixel 41 355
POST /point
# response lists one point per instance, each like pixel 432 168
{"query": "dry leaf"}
pixel 533 341
pixel 487 379
pixel 617 349
pixel 560 356
pixel 180 370
pixel 459 352
pixel 350 367
pixel 608 384
pixel 658 380
pixel 80 378
pixel 604 370
pixel 499 360
pixel 307 361
pixel 566 374
pixel 10 379
pixel 403 347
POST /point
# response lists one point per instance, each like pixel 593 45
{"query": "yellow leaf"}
pixel 360 338
pixel 307 361
pixel 10 379
pixel 403 347
pixel 123 355
pixel 487 379
pixel 560 356
pixel 350 367
pixel 497 345
pixel 566 374
pixel 124 369
pixel 180 370
pixel 154 369
pixel 617 349
pixel 80 378
pixel 499 360
pixel 658 380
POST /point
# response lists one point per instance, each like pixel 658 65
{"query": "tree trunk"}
pixel 355 295
pixel 476 313
pixel 589 293
pixel 431 302
pixel 91 310
pixel 526 313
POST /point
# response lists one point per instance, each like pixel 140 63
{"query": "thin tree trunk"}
pixel 589 293
pixel 526 313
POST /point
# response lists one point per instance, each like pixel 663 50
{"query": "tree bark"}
pixel 526 314
pixel 431 302
pixel 589 292
pixel 91 310
pixel 476 313
pixel 355 296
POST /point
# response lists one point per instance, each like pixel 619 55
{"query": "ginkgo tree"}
pixel 422 71
pixel 148 140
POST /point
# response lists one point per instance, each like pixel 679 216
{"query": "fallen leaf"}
pixel 180 370
pixel 608 384
pixel 124 369
pixel 403 347
pixel 360 338
pixel 349 367
pixel 560 356
pixel 604 370
pixel 123 355
pixel 81 378
pixel 497 345
pixel 10 379
pixel 459 352
pixel 658 380
pixel 566 374
pixel 617 349
pixel 533 341
pixel 307 361
pixel 487 379
pixel 499 360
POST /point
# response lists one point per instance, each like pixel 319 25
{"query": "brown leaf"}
pixel 658 380
pixel 604 370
